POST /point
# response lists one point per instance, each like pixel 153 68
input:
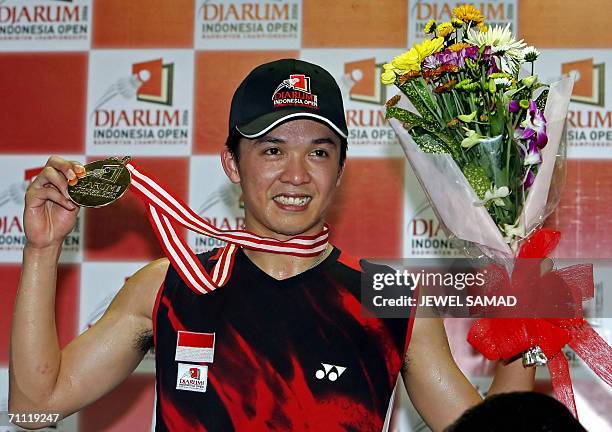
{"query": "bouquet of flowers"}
pixel 481 139
pixel 483 135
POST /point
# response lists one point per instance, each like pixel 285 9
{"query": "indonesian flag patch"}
pixel 195 347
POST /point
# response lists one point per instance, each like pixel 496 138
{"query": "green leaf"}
pixel 477 177
pixel 428 142
pixel 452 144
pixel 497 120
pixel 541 100
pixel 418 94
pixel 409 119
pixel 467 118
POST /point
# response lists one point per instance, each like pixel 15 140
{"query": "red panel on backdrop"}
pixel 541 20
pixel 217 75
pixel 44 98
pixel 143 24
pixel 121 231
pixel 360 24
pixel 584 213
pixel 367 215
pixel 66 304
pixel 128 407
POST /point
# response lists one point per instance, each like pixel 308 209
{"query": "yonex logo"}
pixel 332 372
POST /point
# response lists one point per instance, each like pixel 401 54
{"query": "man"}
pixel 518 412
pixel 282 346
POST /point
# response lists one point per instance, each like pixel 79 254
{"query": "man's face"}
pixel 288 177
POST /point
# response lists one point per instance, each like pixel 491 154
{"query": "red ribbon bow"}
pixel 505 338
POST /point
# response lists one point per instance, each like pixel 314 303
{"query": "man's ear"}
pixel 340 172
pixel 230 166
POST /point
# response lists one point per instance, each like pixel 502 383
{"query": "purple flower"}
pixel 514 106
pixel 523 133
pixel 487 56
pixel 470 52
pixel 529 179
pixel 493 66
pixel 448 57
pixel 531 154
pixel 533 127
pixel 457 58
pixel 431 62
pixel 535 120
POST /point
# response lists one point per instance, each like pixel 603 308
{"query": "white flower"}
pixel 531 54
pixel 495 195
pixel 515 230
pixel 502 82
pixel 499 39
pixel 501 42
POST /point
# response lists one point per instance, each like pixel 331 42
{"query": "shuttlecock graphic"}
pixel 126 87
pixel 228 195
pixel 15 193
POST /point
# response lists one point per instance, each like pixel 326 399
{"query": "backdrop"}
pixel 68 70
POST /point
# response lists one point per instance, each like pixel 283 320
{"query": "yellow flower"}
pixel 428 47
pixel 457 23
pixel 388 77
pixel 483 28
pixel 458 46
pixel 429 26
pixel 445 29
pixel 467 12
pixel 408 61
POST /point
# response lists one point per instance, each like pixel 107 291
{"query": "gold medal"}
pixel 104 182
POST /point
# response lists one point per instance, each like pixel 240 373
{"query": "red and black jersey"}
pixel 261 354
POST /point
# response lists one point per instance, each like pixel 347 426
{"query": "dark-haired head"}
pixel 517 412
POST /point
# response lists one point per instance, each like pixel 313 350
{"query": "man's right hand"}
pixel 49 215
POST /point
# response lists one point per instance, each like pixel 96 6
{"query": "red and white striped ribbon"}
pixel 166 210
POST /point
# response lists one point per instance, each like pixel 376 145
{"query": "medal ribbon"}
pixel 166 211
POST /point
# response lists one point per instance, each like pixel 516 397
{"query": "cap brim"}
pixel 267 122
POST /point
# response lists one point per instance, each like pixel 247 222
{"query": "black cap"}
pixel 284 89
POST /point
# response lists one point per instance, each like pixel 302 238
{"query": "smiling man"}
pixel 283 344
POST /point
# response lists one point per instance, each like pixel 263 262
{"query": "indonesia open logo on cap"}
pixel 295 91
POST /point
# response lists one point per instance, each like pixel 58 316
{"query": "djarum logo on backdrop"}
pixel 42 20
pixel 150 83
pixel 223 208
pixel 360 84
pixel 589 122
pixel 589 81
pixel 267 22
pixel 12 237
pixel 495 12
pixel 426 236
